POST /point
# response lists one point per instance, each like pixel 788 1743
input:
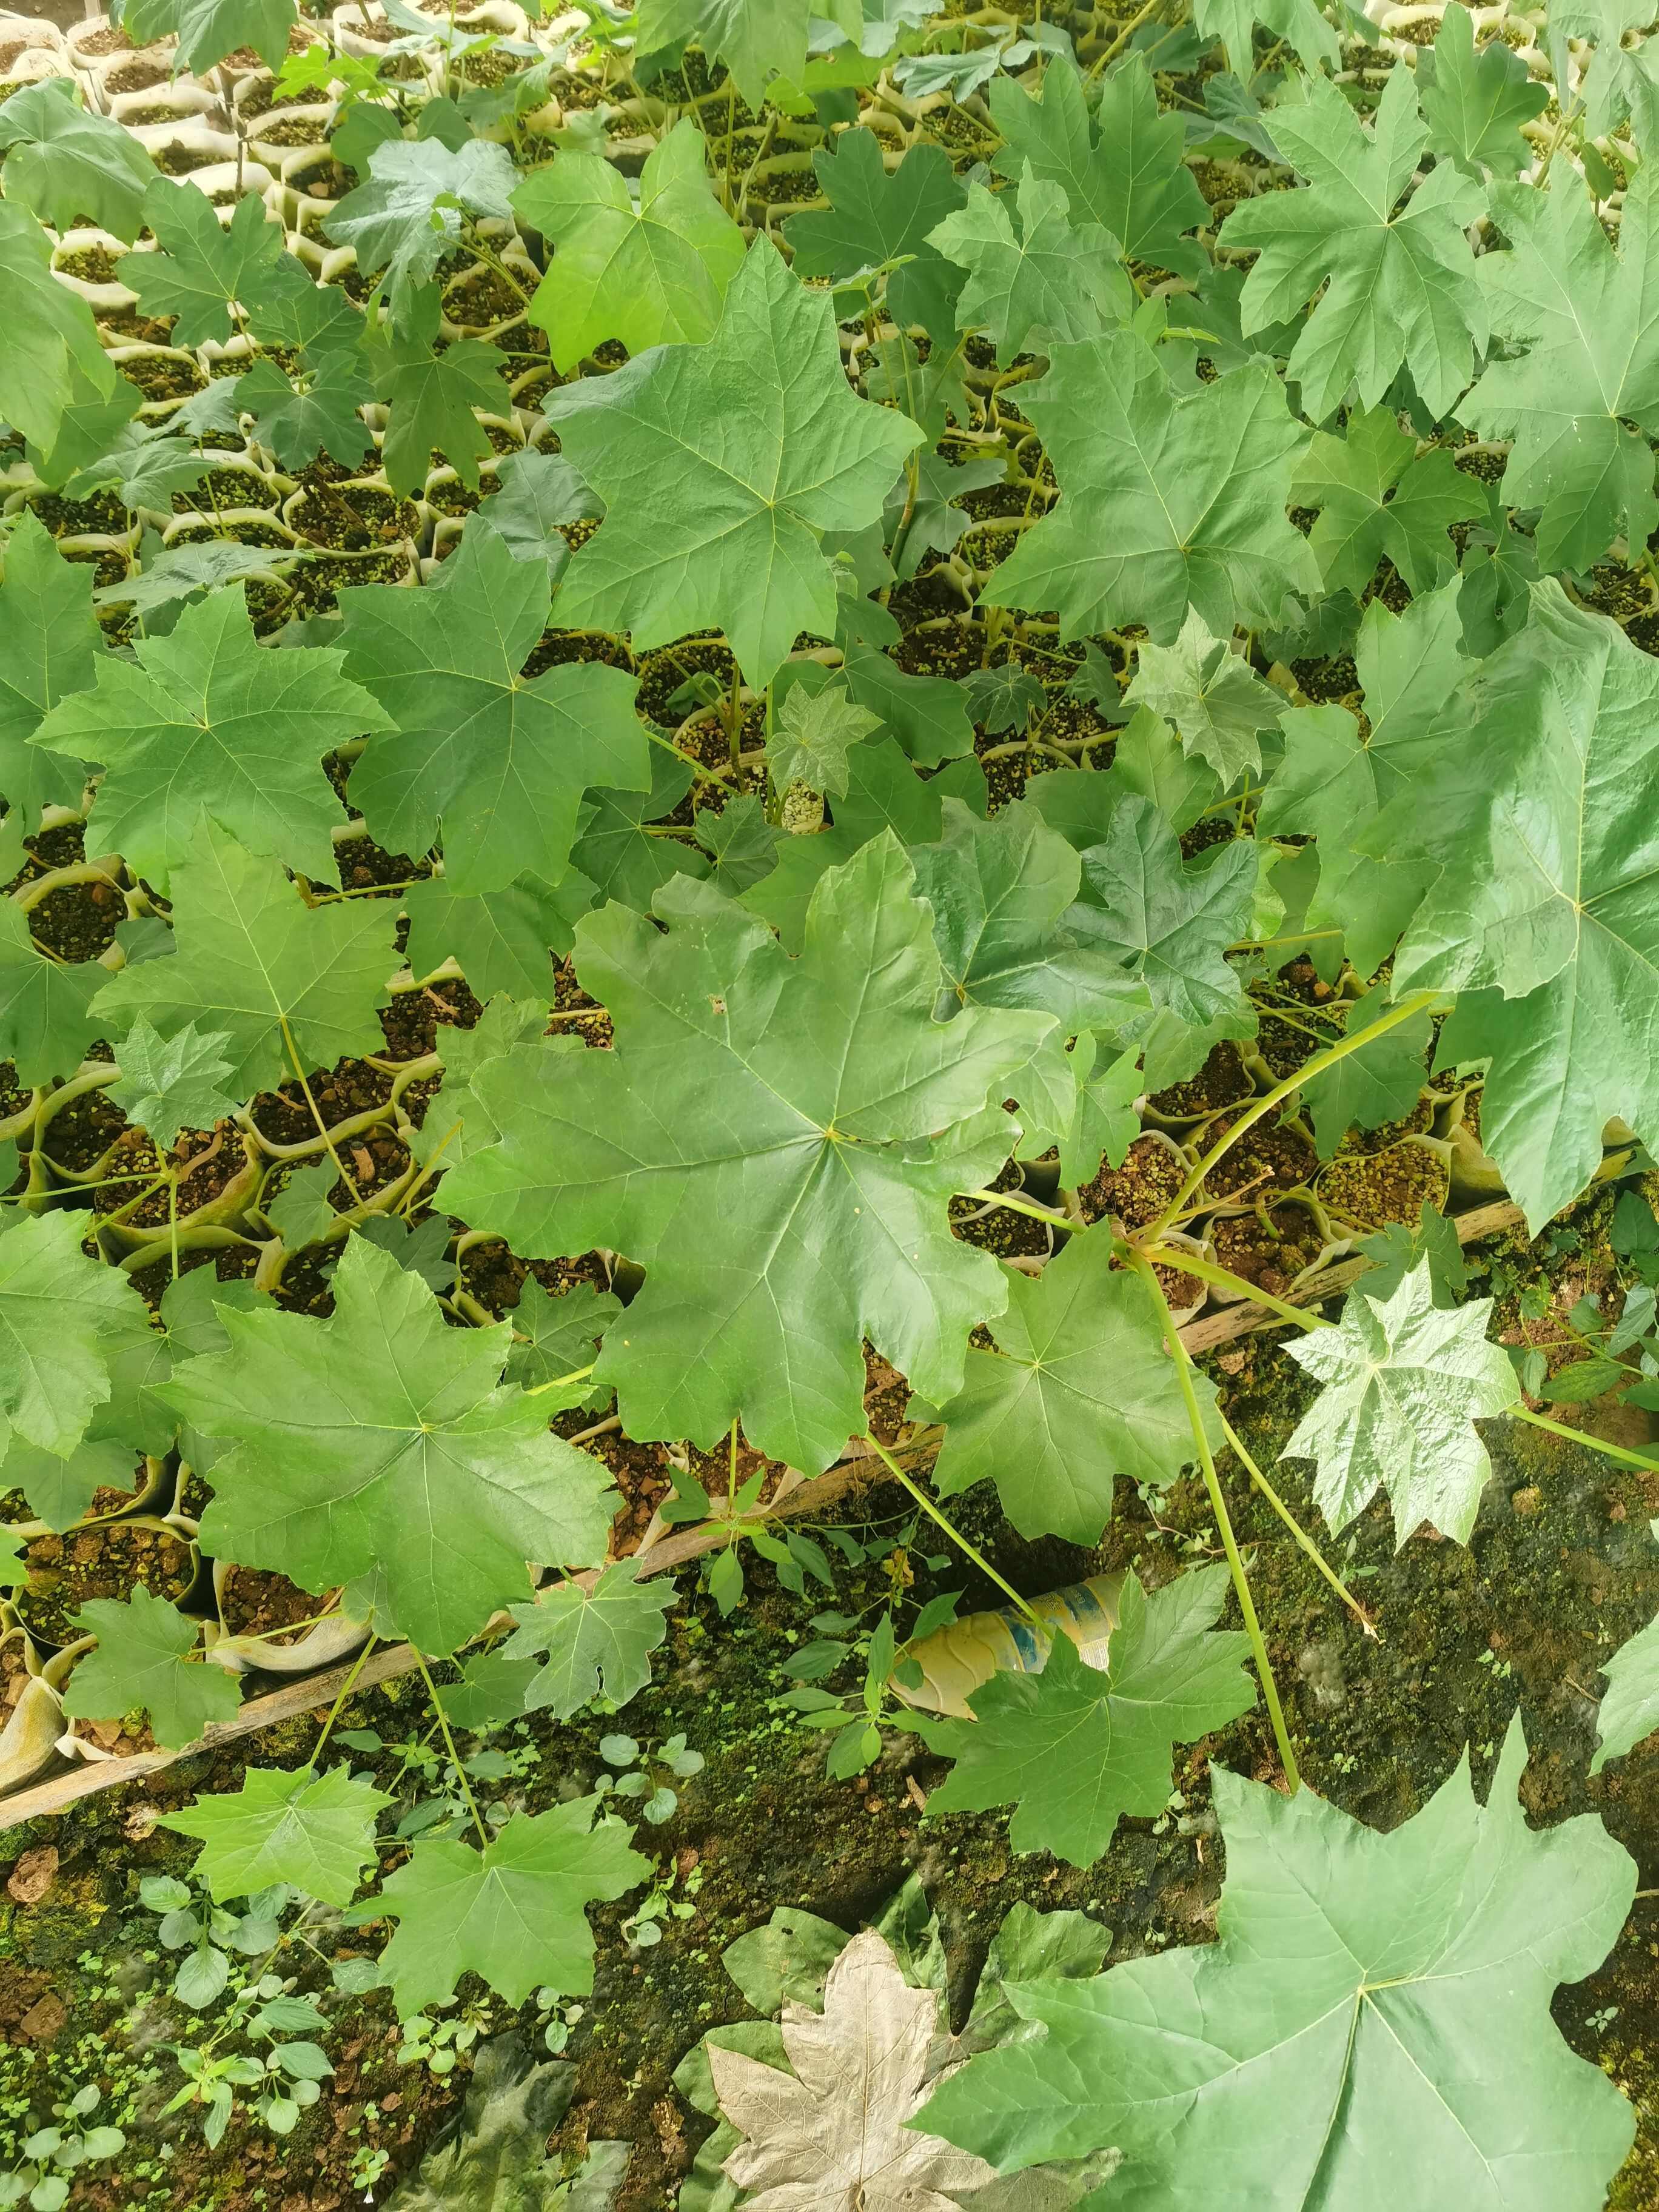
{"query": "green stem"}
pixel 1416 1003
pixel 579 1375
pixel 323 1130
pixel 1022 1205
pixel 346 1688
pixel 454 1755
pixel 1236 1444
pixel 948 1526
pixel 1581 1437
pixel 1207 1272
pixel 1184 1366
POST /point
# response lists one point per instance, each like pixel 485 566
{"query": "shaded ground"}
pixel 1561 1570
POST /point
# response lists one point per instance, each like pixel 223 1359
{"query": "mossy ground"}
pixel 1560 1571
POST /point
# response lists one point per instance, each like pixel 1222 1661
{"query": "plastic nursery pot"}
pixel 166 375
pixel 1023 1242
pixel 1365 1191
pixel 164 106
pixel 149 1486
pixel 1134 1194
pixel 1271 1157
pixel 95 46
pixel 222 1179
pixel 31 1709
pixel 22 34
pixel 477 302
pixel 1223 1081
pixel 1473 1174
pixel 31 65
pixel 107 1559
pixel 1185 1294
pixel 1275 1244
pixel 249 1631
pixel 78 1131
pixel 361 516
pixel 98 522
pixel 86 259
pixel 246 63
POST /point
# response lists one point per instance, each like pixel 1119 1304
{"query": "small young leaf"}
pixel 596 1643
pixel 146 1656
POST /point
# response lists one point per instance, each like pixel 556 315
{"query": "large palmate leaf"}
pixel 1405 1381
pixel 833 2132
pixel 315 1831
pixel 409 213
pixel 515 1912
pixel 1372 2029
pixel 1079 1390
pixel 317 414
pixel 1630 1707
pixel 256 963
pixel 208 717
pixel 1474 105
pixel 878 216
pixel 381 1438
pixel 720 466
pixel 1396 285
pixel 650 273
pixel 494 763
pixel 1219 704
pixel 59 1312
pixel 1587 315
pixel 1196 488
pixel 50 645
pixel 68 164
pixel 757 40
pixel 1544 819
pixel 52 350
pixel 148 1655
pixel 1074 1747
pixel 779 1165
pixel 1043 283
pixel 1378 500
pixel 45 1026
pixel 1122 168
pixel 1338 775
pixel 594 1641
pixel 59 1491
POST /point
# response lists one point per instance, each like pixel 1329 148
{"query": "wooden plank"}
pixel 60 1791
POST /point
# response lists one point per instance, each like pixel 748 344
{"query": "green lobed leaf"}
pixel 780 1172
pixel 1373 2026
pixel 52 352
pixel 1196 487
pixel 254 961
pixel 201 268
pixel 1047 281
pixel 596 1643
pixel 1378 501
pixel 315 1831
pixel 49 648
pixel 877 216
pixel 56 1309
pixel 420 1465
pixel 1379 1083
pixel 1475 105
pixel 496 762
pixel 408 213
pixel 515 1912
pixel 720 466
pixel 68 165
pixel 1396 288
pixel 145 1659
pixel 1074 1749
pixel 647 272
pixel 208 716
pixel 1079 1390
pixel 169 1085
pixel 1219 704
